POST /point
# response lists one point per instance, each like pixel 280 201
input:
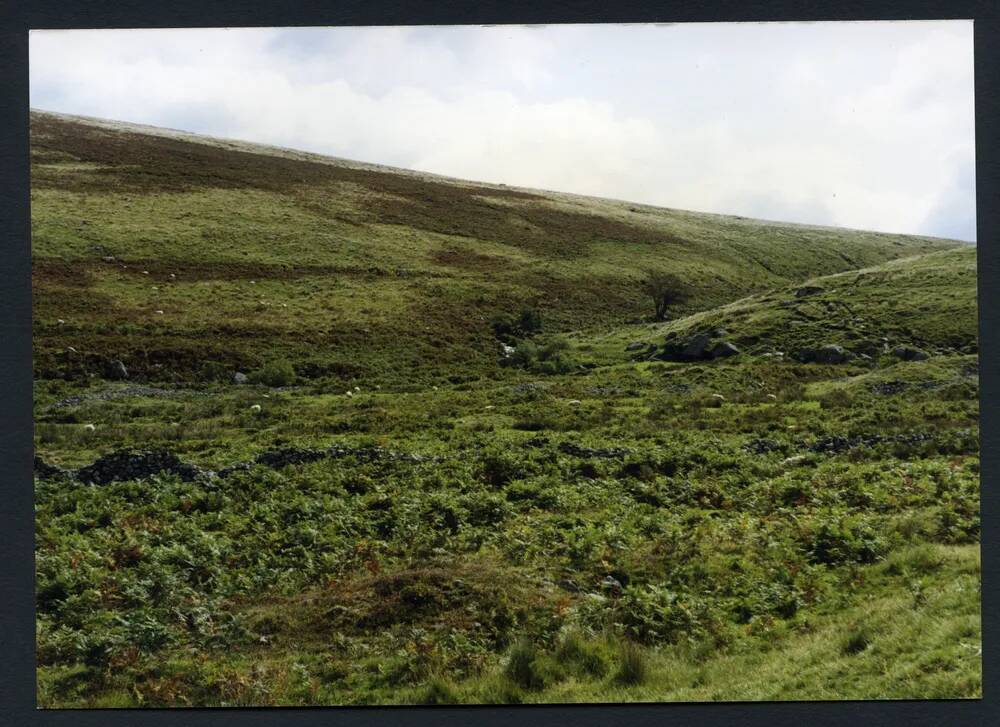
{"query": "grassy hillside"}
pixel 353 271
pixel 389 511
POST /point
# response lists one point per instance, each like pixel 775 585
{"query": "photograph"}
pixel 505 364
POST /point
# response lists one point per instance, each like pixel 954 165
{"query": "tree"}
pixel 665 289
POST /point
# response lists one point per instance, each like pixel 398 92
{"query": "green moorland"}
pixel 390 510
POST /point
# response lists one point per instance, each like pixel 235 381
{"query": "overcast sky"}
pixel 866 125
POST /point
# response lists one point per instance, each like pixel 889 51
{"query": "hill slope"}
pixel 350 269
pixel 417 520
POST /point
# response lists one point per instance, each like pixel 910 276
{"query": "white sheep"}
pixel 89 427
pixel 255 408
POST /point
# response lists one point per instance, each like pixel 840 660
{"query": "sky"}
pixel 867 125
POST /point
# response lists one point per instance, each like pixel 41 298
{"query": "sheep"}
pixel 255 409
pixel 89 427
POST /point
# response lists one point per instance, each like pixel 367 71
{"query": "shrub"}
pixel 523 666
pixel 213 371
pixel 664 289
pixel 439 691
pixel 549 357
pixel 486 508
pixel 919 560
pixel 632 666
pixel 274 373
pixel 574 651
pixel 654 614
pixel 499 469
pixel 836 399
pixel 509 328
pixel 857 639
pixel 845 539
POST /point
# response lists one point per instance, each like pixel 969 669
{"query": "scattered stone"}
pixel 772 397
pixel 794 461
pixel 255 408
pixel 888 388
pixel 127 465
pixel 720 397
pixel 575 450
pixel 907 353
pixel 116 370
pixel 575 402
pixel 89 428
pixel 45 471
pixel 116 393
pixel 828 354
pixel 837 444
pixel 278 458
pixel 612 584
pixel 807 290
pixel 605 390
pixel 762 446
pixel 635 346
pixel 723 349
pixel 696 347
pixel 240 378
pixel 60 321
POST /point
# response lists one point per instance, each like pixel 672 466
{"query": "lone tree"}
pixel 665 289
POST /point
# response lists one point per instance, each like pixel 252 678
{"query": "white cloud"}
pixel 864 125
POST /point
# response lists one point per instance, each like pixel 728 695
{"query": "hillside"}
pixel 465 465
pixel 165 251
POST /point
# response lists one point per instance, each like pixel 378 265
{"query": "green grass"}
pixel 581 525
